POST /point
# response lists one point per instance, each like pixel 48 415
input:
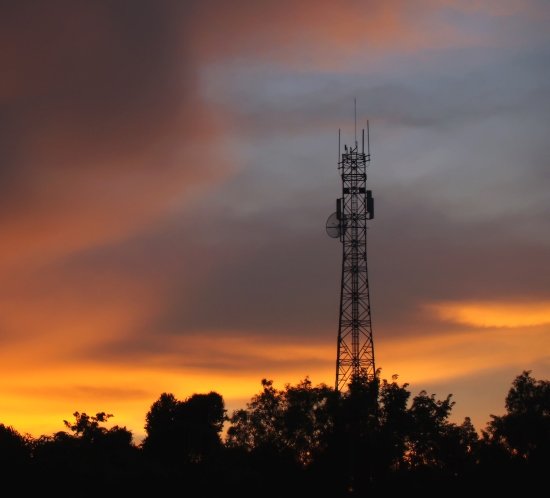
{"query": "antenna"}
pixel 368 139
pixel 338 145
pixel 355 118
pixel 355 207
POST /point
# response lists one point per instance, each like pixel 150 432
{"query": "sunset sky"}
pixel 167 167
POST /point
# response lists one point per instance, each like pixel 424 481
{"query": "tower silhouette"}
pixel 355 347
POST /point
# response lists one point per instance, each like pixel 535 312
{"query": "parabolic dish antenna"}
pixel 333 226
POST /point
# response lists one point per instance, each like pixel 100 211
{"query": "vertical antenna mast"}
pixel 338 145
pixel 355 346
pixel 368 139
pixel 355 118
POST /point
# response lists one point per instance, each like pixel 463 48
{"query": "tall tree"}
pixel 14 451
pixel 524 431
pixel 184 431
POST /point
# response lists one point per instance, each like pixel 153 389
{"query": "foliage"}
pixel 375 438
pixel 14 448
pixel 524 431
pixel 184 431
pixel 295 420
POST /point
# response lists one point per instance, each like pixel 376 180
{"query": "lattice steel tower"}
pixel 355 349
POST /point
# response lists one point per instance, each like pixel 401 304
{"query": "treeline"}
pixel 303 440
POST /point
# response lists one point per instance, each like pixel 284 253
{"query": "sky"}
pixel 167 168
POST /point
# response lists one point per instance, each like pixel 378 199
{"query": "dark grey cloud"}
pixel 206 354
pixel 102 69
pixel 127 244
pixel 263 276
pixel 445 90
pixel 94 94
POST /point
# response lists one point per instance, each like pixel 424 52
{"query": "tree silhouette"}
pixel 307 419
pixel 163 428
pixel 260 424
pixel 373 439
pixel 86 460
pixel 184 431
pixel 294 421
pixel 395 423
pixel 524 431
pixel 15 452
pixel 429 428
pixel 282 432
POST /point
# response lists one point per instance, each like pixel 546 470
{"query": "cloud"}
pixel 166 170
pixel 220 274
pixel 102 120
pixel 467 352
pixel 317 33
pixel 103 114
pixel 494 314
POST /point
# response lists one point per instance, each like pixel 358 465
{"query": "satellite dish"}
pixel 334 228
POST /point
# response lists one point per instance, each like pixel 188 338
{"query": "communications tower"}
pixel 355 347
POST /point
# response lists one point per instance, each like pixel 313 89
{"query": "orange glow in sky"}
pixel 493 314
pixel 36 397
pixel 166 173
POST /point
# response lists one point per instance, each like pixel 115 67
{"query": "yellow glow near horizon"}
pixel 36 399
pixel 494 314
